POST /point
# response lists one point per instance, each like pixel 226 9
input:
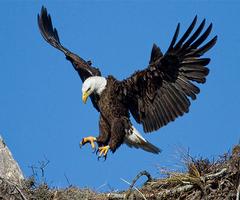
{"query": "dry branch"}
pixel 143 173
pixel 238 193
pixel 176 190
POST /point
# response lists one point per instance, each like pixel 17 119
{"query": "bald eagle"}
pixel 154 96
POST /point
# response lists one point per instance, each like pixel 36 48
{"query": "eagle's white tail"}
pixel 135 139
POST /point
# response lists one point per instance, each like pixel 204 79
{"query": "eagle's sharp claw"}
pixel 97 151
pixel 105 157
pixel 90 140
pixel 103 152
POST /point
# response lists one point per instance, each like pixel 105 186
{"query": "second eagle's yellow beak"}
pixel 84 97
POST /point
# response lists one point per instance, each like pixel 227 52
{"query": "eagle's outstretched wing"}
pixel 50 34
pixel 160 93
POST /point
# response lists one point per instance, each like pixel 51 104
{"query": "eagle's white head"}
pixel 93 84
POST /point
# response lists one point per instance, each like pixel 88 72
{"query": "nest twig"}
pixel 143 173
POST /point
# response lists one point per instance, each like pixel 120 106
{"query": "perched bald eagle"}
pixel 154 96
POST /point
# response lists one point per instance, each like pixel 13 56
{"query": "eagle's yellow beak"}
pixel 84 97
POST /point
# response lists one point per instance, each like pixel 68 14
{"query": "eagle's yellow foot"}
pixel 103 151
pixel 90 140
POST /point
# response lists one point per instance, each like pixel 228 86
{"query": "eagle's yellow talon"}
pixel 103 151
pixel 90 140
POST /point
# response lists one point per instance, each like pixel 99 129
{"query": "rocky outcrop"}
pixel 9 168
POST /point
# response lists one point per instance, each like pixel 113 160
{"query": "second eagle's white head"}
pixel 93 84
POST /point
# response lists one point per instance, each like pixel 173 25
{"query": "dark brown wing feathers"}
pixel 160 93
pixel 50 34
pixel 155 54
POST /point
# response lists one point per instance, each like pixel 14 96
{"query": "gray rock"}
pixel 9 168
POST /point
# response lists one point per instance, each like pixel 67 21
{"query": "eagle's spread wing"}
pixel 160 93
pixel 50 34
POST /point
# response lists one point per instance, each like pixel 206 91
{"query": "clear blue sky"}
pixel 41 112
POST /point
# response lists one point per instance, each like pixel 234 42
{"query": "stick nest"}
pixel 203 180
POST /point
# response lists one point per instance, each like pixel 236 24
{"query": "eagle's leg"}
pixel 104 132
pixel 118 132
pixel 90 140
pixel 103 138
pixel 118 127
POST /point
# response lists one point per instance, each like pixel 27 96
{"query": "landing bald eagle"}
pixel 154 96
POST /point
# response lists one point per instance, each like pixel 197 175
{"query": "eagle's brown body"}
pixel 154 96
pixel 114 115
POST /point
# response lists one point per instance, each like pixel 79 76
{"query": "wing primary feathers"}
pixel 194 35
pixel 174 38
pixel 197 68
pixel 201 39
pixel 56 35
pixel 186 34
pixel 193 61
pixel 199 52
pixel 48 32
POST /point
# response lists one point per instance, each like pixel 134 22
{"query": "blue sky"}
pixel 42 114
